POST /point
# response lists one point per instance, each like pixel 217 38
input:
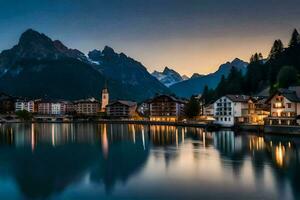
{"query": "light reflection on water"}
pixel 93 161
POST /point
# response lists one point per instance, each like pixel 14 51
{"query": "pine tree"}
pixel 276 50
pixel 205 94
pixel 192 108
pixel 295 40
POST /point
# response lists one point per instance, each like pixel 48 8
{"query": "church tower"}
pixel 105 98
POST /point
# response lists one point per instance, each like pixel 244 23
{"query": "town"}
pixel 278 112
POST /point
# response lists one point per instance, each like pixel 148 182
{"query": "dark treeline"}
pixel 280 70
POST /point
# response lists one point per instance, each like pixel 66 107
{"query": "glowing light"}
pixel 279 155
pixel 104 141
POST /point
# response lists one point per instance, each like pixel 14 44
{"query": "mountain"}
pixel 196 83
pixel 197 75
pixel 131 74
pixel 168 77
pixel 185 77
pixel 38 66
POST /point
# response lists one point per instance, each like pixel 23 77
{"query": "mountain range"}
pixel 40 67
pixel 169 76
pixel 196 83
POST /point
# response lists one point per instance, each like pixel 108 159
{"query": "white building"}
pixel 24 105
pixel 58 108
pixel 51 108
pixel 231 109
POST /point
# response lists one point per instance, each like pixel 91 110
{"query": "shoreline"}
pixel 266 129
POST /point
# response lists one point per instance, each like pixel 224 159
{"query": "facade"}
pixel 285 107
pixel 121 109
pixel 166 108
pixel 44 107
pixel 105 99
pixel 51 107
pixel 87 106
pixel 258 110
pixel 7 103
pixel 231 109
pixel 70 107
pixel 27 105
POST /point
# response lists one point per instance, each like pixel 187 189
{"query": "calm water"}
pixel 90 161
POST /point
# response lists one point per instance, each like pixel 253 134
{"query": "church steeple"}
pixel 105 97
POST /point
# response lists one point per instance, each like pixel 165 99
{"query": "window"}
pixel 225 119
pixel 289 105
pixel 229 119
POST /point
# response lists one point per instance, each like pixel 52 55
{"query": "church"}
pixel 105 98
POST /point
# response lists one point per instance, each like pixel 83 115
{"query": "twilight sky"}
pixel 187 35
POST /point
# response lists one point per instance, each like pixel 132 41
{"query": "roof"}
pixel 126 103
pixel 168 96
pixel 290 94
pixel 89 100
pixel 238 98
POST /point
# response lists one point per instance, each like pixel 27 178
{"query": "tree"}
pixel 257 57
pixel 276 50
pixel 192 108
pixel 221 88
pixel 287 76
pixel 24 115
pixel 295 40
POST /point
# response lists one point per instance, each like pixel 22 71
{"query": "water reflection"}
pixel 79 161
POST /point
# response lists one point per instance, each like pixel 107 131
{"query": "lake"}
pixel 104 161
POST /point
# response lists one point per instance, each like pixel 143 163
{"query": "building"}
pixel 47 107
pixel 70 107
pixel 121 109
pixel 285 107
pixel 23 104
pixel 44 107
pixel 7 104
pixel 258 110
pixel 105 99
pixel 87 106
pixel 231 109
pixel 166 108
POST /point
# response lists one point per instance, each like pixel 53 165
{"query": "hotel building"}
pixel 87 106
pixel 166 108
pixel 231 109
pixel 27 105
pixel 121 109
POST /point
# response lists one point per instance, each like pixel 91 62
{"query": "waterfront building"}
pixel 23 104
pixel 49 107
pixel 258 110
pixel 285 107
pixel 7 103
pixel 105 99
pixel 121 109
pixel 231 109
pixel 166 108
pixel 88 106
pixel 44 107
pixel 69 107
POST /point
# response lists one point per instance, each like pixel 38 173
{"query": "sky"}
pixel 190 36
